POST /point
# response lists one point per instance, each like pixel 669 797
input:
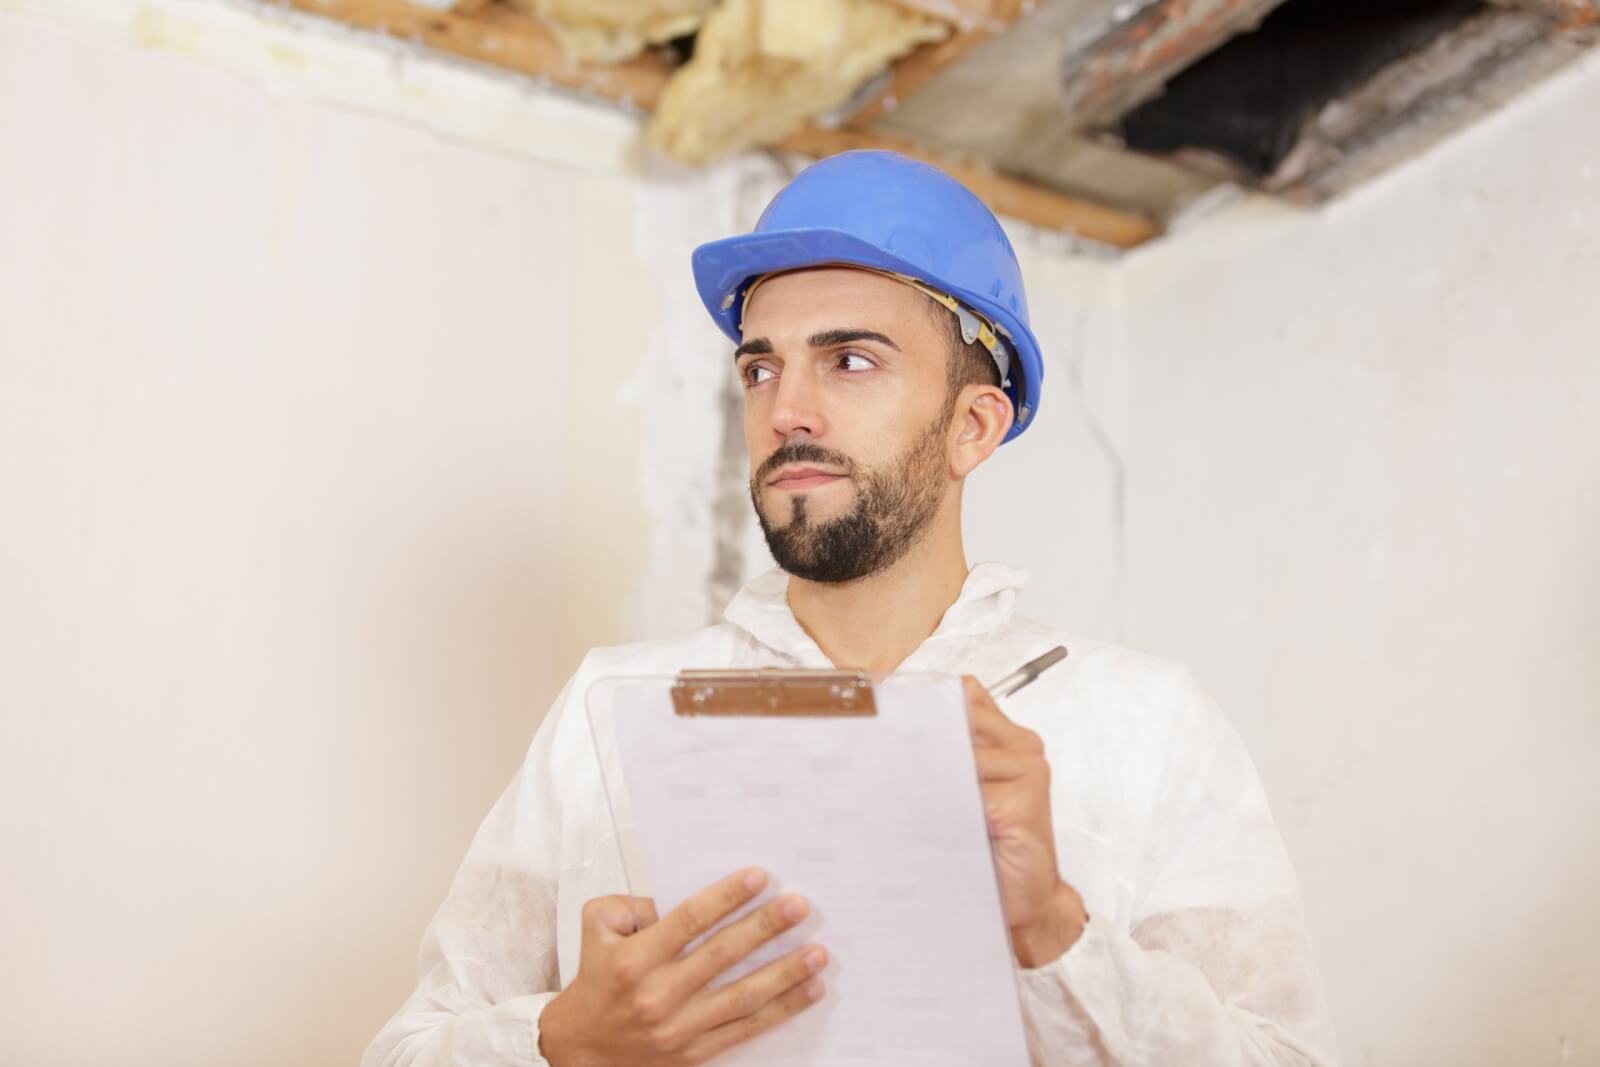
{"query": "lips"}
pixel 794 479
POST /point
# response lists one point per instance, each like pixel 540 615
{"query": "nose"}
pixel 797 407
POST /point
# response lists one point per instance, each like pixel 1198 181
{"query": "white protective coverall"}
pixel 1196 952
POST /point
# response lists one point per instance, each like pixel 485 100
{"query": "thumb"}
pixel 619 916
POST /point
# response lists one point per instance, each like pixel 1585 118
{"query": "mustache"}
pixel 801 452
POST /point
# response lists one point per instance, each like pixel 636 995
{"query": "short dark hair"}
pixel 970 363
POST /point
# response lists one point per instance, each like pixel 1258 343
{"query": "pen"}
pixel 1027 672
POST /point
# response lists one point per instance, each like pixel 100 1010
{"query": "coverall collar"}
pixel 987 601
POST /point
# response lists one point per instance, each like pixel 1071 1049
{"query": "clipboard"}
pixel 860 793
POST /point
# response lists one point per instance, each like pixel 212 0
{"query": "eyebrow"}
pixel 760 346
pixel 830 338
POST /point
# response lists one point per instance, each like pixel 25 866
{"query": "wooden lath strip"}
pixel 1004 195
pixel 1570 14
pixel 966 14
pixel 498 35
pixel 917 69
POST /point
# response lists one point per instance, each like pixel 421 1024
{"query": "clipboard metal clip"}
pixel 774 693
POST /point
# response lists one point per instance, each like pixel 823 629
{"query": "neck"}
pixel 873 624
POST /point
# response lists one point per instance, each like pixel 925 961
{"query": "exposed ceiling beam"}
pixel 1131 60
pixel 1005 195
pixel 498 35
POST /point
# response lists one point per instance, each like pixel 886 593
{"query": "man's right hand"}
pixel 638 999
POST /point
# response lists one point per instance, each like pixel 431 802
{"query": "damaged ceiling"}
pixel 1102 118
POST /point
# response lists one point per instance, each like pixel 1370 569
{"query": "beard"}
pixel 894 506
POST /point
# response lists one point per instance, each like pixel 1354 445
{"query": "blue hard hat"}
pixel 883 211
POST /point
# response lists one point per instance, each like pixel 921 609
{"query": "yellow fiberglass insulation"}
pixel 761 68
pixel 610 31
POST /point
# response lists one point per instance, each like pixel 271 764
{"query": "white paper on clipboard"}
pixel 877 821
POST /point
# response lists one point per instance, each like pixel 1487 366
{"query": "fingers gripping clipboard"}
pixel 861 794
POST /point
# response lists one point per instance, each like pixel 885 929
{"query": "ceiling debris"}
pixel 1102 118
pixel 609 31
pixel 761 68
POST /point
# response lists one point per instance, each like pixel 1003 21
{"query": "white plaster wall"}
pixel 298 408
pixel 1363 463
pixel 1051 502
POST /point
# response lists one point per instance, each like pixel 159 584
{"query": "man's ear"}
pixel 983 415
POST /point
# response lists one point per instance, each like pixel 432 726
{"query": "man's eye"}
pixel 757 373
pixel 855 361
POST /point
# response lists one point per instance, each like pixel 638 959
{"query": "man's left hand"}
pixel 1045 914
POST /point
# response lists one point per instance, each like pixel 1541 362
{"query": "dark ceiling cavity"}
pixel 682 48
pixel 1250 99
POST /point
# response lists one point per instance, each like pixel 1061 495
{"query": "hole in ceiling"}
pixel 681 48
pixel 1250 99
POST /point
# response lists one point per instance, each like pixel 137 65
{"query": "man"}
pixel 885 354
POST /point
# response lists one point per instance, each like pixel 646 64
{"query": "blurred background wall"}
pixel 314 485
pixel 328 444
pixel 1364 500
